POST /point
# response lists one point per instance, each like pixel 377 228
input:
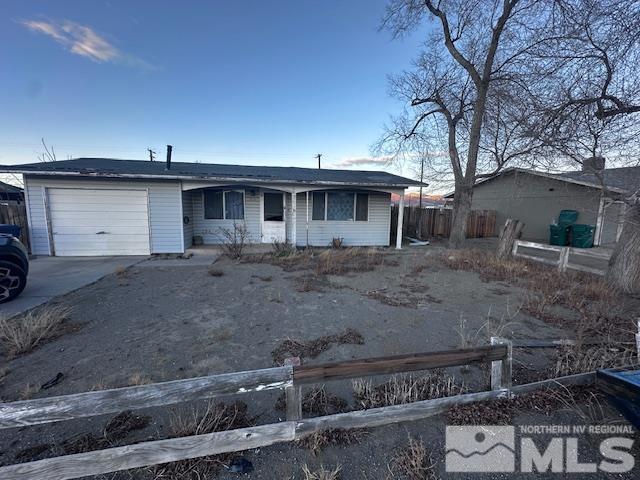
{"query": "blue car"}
pixel 14 267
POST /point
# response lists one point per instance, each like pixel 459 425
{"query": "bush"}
pixel 234 240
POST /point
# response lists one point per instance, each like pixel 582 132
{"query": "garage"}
pixel 94 222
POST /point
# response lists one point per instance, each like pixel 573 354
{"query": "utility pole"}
pixel 152 154
pixel 319 156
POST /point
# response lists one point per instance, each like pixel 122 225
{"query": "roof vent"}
pixel 593 164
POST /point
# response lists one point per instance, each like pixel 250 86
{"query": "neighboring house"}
pixel 536 199
pixel 10 194
pixel 101 206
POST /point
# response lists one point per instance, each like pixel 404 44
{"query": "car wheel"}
pixel 12 281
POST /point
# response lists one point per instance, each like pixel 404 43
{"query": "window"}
pixel 213 206
pixel 362 207
pixel 340 206
pixel 273 207
pixel 223 205
pixel 318 206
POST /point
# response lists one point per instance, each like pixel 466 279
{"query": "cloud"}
pixel 363 161
pixel 84 41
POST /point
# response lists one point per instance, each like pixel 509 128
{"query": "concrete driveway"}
pixel 53 276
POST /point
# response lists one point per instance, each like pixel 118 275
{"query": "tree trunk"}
pixel 624 265
pixel 461 208
pixel 509 234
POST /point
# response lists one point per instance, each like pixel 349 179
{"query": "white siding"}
pixel 374 232
pixel 38 232
pixel 164 209
pixel 187 211
pixel 210 230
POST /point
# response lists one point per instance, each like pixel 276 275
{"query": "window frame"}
pixel 224 205
pixel 355 206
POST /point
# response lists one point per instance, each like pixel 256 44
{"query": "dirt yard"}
pixel 154 322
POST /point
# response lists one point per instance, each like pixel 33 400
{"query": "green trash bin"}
pixel 582 235
pixel 559 235
pixel 567 217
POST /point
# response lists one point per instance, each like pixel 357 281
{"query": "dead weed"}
pixel 317 402
pixel 23 333
pixel 413 462
pixel 313 348
pixel 319 440
pixel 321 473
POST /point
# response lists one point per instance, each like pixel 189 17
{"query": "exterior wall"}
pixel 210 230
pixel 374 232
pixel 187 212
pixel 536 201
pixel 165 213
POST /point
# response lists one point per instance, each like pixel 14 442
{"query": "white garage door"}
pixel 99 222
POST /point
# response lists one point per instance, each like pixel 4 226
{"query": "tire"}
pixel 12 281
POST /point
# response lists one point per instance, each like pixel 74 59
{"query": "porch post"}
pixel 400 219
pixel 294 198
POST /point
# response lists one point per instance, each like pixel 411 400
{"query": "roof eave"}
pixel 206 178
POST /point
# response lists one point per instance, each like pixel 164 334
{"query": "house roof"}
pixel 619 180
pixel 110 167
pixel 6 188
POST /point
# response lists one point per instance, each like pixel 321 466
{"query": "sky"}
pixel 245 82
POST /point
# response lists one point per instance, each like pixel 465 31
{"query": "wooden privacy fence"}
pixel 436 222
pixel 290 377
pixel 564 253
pixel 16 214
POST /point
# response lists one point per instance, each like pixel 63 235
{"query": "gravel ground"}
pixel 165 322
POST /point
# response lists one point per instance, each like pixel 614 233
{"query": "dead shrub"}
pixel 336 242
pixel 405 388
pixel 321 473
pixel 313 348
pixel 234 240
pixel 317 402
pixel 215 272
pixel 501 411
pixel 22 334
pixel 571 359
pixel 139 379
pixel 282 249
pixel 120 271
pixel 413 462
pixel 214 417
pixel 311 283
pixel 319 440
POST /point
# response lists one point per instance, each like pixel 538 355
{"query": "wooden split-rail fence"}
pixel 289 377
pixel 563 262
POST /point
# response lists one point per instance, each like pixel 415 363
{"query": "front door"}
pixel 273 227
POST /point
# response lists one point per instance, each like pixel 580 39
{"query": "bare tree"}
pixel 467 94
pixel 48 155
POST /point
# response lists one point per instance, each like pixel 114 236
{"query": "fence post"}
pixel 638 341
pixel 564 259
pixel 293 394
pixel 501 369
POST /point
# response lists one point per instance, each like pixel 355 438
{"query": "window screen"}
pixel 233 205
pixel 273 207
pixel 213 205
pixel 318 206
pixel 362 207
pixel 339 206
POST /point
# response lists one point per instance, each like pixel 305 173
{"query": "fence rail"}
pixel 289 378
pixel 563 263
pixel 436 222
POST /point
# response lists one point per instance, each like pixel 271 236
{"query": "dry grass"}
pixel 22 334
pixel 139 379
pixel 214 417
pixel 502 411
pixel 28 391
pixel 334 261
pixel 120 271
pixel 587 358
pixel 401 389
pixel 313 348
pixel 319 440
pixel 317 402
pixel 413 462
pixel 321 473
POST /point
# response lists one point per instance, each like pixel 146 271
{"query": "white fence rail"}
pixel 564 256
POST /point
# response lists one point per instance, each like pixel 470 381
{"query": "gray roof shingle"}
pixel 626 179
pixel 113 167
